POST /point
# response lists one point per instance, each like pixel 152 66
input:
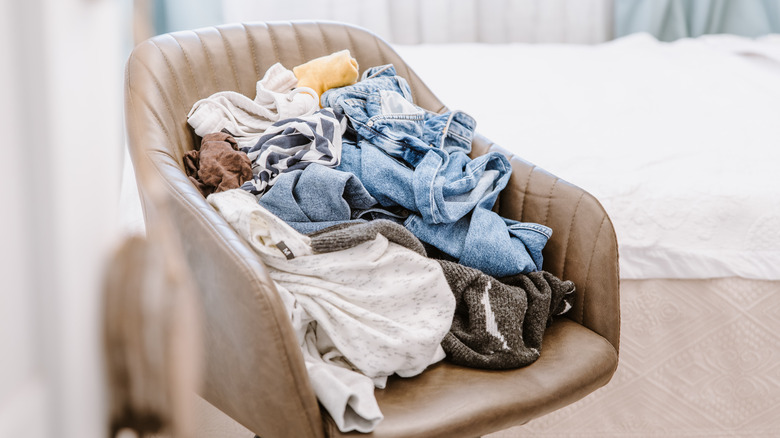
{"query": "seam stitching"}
pixel 209 61
pixel 251 42
pixel 569 233
pixel 588 270
pixel 229 51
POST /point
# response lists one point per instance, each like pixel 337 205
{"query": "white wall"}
pixel 61 82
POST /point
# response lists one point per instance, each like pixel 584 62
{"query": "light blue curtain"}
pixel 173 15
pixel 669 20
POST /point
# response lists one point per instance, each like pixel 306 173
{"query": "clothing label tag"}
pixel 285 250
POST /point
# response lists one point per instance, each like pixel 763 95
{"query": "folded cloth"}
pixel 292 144
pixel 218 165
pixel 246 119
pixel 338 69
pixel 499 324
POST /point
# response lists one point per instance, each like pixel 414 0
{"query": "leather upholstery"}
pixel 254 370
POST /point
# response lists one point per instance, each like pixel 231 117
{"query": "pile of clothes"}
pixel 376 227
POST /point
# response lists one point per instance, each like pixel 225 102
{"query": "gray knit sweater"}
pixel 500 324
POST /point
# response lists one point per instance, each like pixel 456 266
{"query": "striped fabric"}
pixel 295 143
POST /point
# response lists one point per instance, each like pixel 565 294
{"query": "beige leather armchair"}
pixel 254 370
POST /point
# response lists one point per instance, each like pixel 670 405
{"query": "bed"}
pixel 681 144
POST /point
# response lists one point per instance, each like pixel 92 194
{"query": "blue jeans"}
pixel 472 233
pixel 381 111
pixel 406 156
pixel 317 197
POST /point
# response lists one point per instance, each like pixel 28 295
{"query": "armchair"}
pixel 253 367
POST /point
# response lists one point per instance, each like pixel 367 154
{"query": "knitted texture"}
pixel 500 324
pixel 347 235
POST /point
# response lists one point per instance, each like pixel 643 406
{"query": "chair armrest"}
pixel 253 366
pixel 583 247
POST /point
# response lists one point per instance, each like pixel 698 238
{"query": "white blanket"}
pixel 679 141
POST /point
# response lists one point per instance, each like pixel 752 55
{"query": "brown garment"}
pixel 218 165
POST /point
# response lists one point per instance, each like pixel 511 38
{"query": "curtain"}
pixel 173 15
pixel 669 20
pixel 446 21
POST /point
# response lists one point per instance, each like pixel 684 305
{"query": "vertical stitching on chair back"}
pixel 300 47
pixel 172 73
pixel 152 110
pixel 568 236
pixel 231 59
pixel 252 50
pixel 325 39
pixel 209 62
pixel 274 44
pixel 588 270
pixel 188 62
pixel 549 199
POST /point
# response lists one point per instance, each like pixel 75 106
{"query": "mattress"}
pixel 679 141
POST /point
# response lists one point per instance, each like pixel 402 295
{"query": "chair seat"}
pixel 437 403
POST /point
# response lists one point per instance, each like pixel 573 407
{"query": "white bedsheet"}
pixel 679 141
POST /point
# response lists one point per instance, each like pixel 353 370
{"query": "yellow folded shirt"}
pixel 321 74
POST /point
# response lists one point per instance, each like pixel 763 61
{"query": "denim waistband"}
pixel 381 111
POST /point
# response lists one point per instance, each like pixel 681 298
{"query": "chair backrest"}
pixel 170 72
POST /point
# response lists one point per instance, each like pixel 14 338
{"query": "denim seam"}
pixel 378 133
pixel 395 116
pixel 504 169
pixel 406 90
pixel 531 228
pixel 456 135
pixel 377 73
pixel 350 99
pixel 483 166
pixel 431 199
pixel 444 132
